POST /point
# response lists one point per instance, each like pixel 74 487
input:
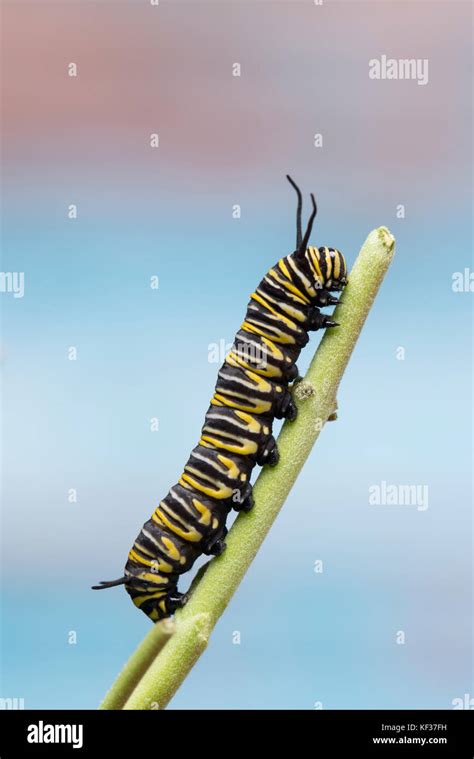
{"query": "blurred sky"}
pixel 143 353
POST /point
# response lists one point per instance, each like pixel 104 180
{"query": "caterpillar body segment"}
pixel 251 391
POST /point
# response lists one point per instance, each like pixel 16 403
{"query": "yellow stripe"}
pixel 258 407
pixel 154 579
pixel 204 511
pixel 244 448
pixel 191 535
pixel 169 511
pixel 216 492
pixel 245 396
pixel 328 264
pixel 233 470
pixel 314 253
pixel 275 351
pixel 289 286
pixel 198 473
pixel 286 307
pixel 134 556
pixel 269 371
pixel 262 385
pixel 252 424
pixel 139 600
pixel 171 550
pixel 284 268
pixel 304 279
pixel 142 549
pixel 219 433
pixel 161 566
pixel 280 337
pixel 280 316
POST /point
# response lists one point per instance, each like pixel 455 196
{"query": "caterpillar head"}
pixel 328 267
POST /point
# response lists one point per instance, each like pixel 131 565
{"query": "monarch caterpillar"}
pixel 251 391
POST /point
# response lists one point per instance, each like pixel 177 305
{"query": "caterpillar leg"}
pixel 269 454
pixel 292 374
pixel 274 456
pixel 245 502
pixel 217 548
pixel 297 379
pixel 176 601
pixel 326 299
pixel 286 408
pixel 317 320
pixel 215 545
pixel 242 499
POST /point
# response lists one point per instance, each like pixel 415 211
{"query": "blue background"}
pixel 85 424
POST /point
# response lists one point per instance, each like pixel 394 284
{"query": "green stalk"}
pixel 315 397
pixel 138 664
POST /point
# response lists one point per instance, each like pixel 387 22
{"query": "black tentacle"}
pixel 299 211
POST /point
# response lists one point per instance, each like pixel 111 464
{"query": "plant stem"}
pixel 138 664
pixel 315 397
